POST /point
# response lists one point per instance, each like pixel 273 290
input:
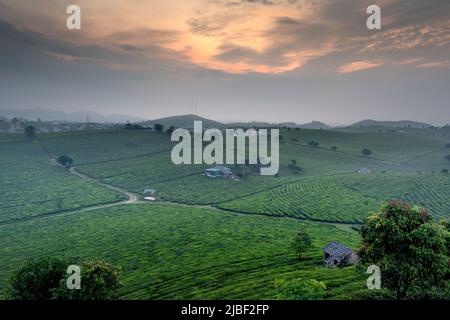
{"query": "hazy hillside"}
pixel 77 116
pixel 186 121
pixel 315 125
pixel 394 124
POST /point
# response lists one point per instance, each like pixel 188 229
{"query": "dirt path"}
pixel 132 198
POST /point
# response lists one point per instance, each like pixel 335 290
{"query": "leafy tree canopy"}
pixel 409 247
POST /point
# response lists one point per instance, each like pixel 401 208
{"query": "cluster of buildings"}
pixel 17 125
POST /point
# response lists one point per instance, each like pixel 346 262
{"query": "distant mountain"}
pixel 315 125
pixel 253 124
pixel 392 124
pixel 186 121
pixel 54 115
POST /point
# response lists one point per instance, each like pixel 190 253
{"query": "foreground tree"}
pixel 409 247
pixel 37 279
pixel 99 281
pixel 46 279
pixel 301 244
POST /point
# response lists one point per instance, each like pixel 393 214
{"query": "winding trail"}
pixel 132 198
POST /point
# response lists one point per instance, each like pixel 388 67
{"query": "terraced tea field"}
pixel 347 198
pixel 176 252
pixel 204 247
pixel 32 185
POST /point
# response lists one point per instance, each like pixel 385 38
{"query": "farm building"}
pixel 338 255
pixel 219 172
pixel 151 195
pixel 364 170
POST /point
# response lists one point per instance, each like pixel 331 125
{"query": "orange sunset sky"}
pixel 271 42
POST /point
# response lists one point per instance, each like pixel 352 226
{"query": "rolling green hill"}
pixel 209 238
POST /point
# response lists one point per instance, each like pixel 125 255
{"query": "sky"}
pixel 239 60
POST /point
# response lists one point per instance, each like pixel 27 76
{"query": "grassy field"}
pixel 205 247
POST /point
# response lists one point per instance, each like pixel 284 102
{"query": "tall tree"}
pixel 301 244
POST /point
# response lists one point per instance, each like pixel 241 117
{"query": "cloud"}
pixel 269 36
pixel 358 66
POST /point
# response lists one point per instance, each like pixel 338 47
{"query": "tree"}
pixel 170 130
pixel 46 279
pixel 65 161
pixel 159 127
pixel 37 279
pixel 314 144
pixel 242 171
pixel 334 148
pixel 30 132
pixel 366 152
pixel 448 157
pixel 99 281
pixel 444 171
pixel 301 243
pixel 300 289
pixel 409 247
pixel 128 126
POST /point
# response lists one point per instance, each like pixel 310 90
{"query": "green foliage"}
pixel 366 152
pixel 301 244
pixel 45 279
pixel 170 130
pixel 99 281
pixel 300 289
pixel 65 161
pixel 159 127
pixel 409 247
pixel 38 279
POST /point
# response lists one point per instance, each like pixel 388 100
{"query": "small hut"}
pixel 151 195
pixel 219 172
pixel 338 255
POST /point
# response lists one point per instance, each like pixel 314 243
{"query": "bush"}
pixel 300 289
pixel 159 127
pixel 65 161
pixel 30 132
